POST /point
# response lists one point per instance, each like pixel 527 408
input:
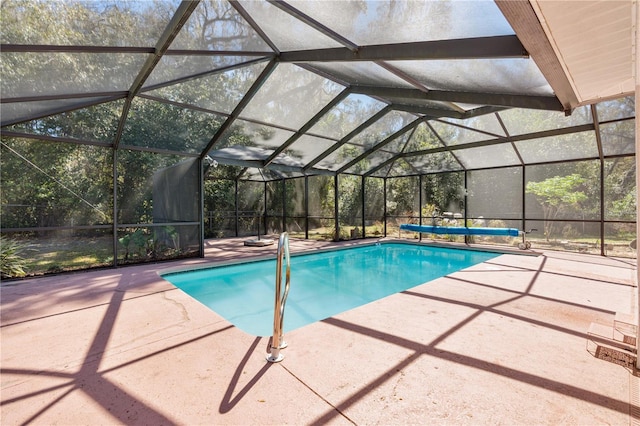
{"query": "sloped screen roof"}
pixel 297 87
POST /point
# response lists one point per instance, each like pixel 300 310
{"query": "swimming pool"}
pixel 323 284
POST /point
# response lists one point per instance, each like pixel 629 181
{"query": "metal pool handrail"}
pixel 277 341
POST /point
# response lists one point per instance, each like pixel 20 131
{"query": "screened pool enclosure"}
pixel 132 131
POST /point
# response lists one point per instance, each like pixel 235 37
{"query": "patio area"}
pixel 503 342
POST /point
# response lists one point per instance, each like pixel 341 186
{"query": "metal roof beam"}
pixel 56 97
pixel 438 113
pixel 467 48
pixel 56 48
pixel 335 101
pixel 478 98
pixel 414 82
pixel 181 16
pixel 444 144
pixel 262 78
pixel 241 10
pixel 596 126
pixel 348 137
pixel 513 145
pixel 47 138
pixel 382 144
pixel 504 140
pixel 183 105
pixel 53 48
pixel 501 140
pixel 286 7
pixel 383 164
pixel 431 112
pixel 220 70
pixel 483 110
pixel 392 160
pixel 60 110
pixel 257 164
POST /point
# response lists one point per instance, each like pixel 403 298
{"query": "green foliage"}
pixel 558 191
pixel 48 184
pixel 444 191
pixel 146 244
pixel 625 206
pixel 344 235
pixel 219 201
pixel 376 230
pixel 84 23
pixel 402 196
pixel 556 194
pixel 374 199
pixel 159 125
pixel 350 200
pixel 620 188
pixel 12 264
pixel 135 243
pixel 59 184
pixel 430 211
pixel 321 196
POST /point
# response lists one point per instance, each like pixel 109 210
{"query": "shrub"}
pixel 11 262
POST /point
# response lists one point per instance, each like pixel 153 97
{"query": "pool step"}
pixel 626 325
pixel 611 336
pixel 606 342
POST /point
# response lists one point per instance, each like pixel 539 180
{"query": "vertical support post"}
pixel 236 207
pixel 384 201
pixel 306 207
pixel 115 206
pixel 420 183
pixel 362 194
pixel 524 184
pixel 602 253
pixel 201 210
pixel 335 208
pixel 284 205
pixel 465 201
pixel 596 128
pixel 264 210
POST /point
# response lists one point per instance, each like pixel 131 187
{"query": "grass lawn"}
pixel 67 254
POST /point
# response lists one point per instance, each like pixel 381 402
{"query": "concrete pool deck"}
pixel 503 342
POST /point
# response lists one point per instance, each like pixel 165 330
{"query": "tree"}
pixel 350 200
pixel 555 194
pixel 620 188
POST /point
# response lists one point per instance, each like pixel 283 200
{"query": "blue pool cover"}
pixel 460 230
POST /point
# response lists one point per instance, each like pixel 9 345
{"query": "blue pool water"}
pixel 322 284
